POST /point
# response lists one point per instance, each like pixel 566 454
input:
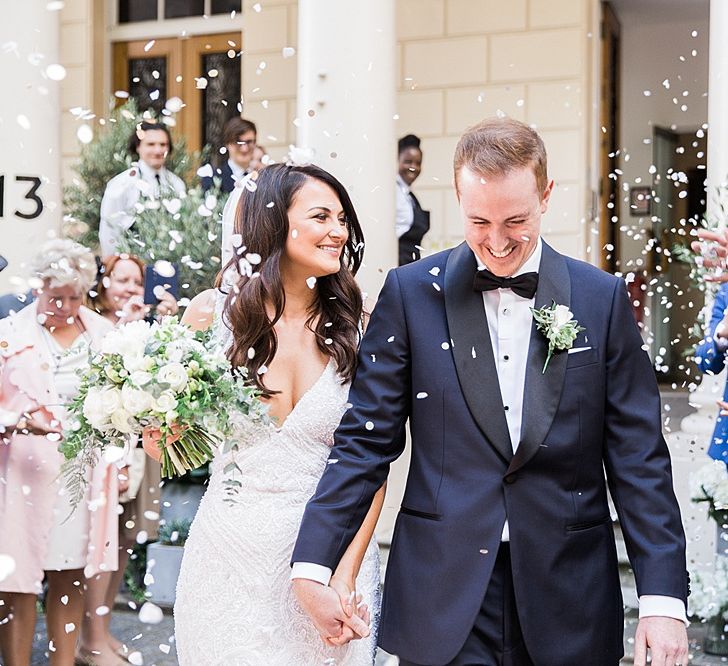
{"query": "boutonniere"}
pixel 558 325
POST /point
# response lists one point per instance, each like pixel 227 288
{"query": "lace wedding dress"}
pixel 234 600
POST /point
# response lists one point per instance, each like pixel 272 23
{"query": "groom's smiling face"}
pixel 502 216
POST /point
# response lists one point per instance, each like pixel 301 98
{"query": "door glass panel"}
pixel 131 11
pixel 221 96
pixel 148 83
pixel 179 8
pixel 225 6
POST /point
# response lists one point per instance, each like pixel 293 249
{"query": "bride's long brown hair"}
pixel 261 224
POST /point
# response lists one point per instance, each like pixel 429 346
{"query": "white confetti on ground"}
pixel 164 648
pixel 150 613
pixel 135 658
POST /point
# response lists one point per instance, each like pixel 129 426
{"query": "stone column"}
pixel 30 190
pixel 346 104
pixel 689 445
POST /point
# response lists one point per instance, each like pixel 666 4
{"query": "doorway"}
pixel 203 71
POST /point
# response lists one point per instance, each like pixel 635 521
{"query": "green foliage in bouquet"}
pixel 186 231
pixel 101 160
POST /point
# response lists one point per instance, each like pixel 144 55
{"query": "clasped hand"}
pixel 336 611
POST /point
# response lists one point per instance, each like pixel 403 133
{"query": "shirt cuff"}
pixel 310 571
pixel 657 605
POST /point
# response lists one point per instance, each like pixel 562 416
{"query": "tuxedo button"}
pixel 506 408
pixel 511 478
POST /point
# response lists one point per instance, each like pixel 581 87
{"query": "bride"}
pixel 295 327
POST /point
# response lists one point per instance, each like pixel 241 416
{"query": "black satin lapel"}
pixel 472 350
pixel 542 391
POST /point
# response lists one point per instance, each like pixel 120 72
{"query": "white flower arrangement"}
pixel 710 484
pixel 558 325
pixel 709 591
pixel 160 375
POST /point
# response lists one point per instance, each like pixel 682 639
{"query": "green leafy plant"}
pixel 186 231
pixel 101 160
pixel 175 532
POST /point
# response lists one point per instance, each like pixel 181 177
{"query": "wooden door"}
pixel 203 71
pixel 609 133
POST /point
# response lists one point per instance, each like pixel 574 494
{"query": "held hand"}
pixel 323 605
pixel 36 423
pixel 167 304
pixel 713 250
pixel 134 310
pixel 351 603
pixel 666 638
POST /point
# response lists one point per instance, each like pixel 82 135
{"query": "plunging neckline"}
pixel 304 395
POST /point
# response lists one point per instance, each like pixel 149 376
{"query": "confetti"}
pixel 70 626
pixel 369 425
pixel 150 613
pixel 102 610
pixel 56 72
pixel 288 52
pixel 445 345
pixel 422 395
pixel 311 282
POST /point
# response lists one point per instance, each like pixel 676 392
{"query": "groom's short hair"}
pixel 497 146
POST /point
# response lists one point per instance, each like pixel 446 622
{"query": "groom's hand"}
pixel 323 605
pixel 666 638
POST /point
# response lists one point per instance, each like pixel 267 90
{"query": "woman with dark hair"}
pixel 412 222
pixel 149 144
pixel 292 317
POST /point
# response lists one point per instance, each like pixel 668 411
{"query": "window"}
pixel 131 11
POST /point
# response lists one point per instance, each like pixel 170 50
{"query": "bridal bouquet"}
pixel 164 376
pixel 710 484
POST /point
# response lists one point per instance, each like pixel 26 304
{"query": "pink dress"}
pixel 29 464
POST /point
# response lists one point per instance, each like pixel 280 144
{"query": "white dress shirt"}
pixel 122 194
pixel 237 171
pixel 509 325
pixel 405 211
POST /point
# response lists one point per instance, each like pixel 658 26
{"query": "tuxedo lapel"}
pixel 542 391
pixel 472 349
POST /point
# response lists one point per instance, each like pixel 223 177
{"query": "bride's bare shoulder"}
pixel 201 310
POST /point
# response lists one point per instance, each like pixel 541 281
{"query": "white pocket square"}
pixel 576 350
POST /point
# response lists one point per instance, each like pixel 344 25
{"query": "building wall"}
pixel 463 60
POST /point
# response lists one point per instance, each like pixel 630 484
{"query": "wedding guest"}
pixel 260 160
pixel 151 144
pixel 710 357
pixel 43 349
pixel 119 298
pixel 239 137
pixel 412 222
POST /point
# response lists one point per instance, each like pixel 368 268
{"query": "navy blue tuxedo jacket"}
pixel 427 357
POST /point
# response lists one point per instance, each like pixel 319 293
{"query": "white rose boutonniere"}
pixel 558 325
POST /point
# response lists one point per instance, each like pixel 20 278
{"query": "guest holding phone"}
pixel 120 299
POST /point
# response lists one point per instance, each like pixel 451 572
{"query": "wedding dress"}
pixel 234 601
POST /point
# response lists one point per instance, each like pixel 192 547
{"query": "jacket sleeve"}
pixel 637 460
pixel 369 438
pixel 710 355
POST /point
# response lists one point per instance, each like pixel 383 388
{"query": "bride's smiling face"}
pixel 317 231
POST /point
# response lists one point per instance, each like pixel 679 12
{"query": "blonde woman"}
pixel 43 348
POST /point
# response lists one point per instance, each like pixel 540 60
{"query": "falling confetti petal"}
pixel 369 425
pixel 102 610
pixel 56 72
pixel 435 271
pixel 135 658
pixel 164 648
pixel 69 627
pixel 311 282
pixel 150 613
pixel 288 52
pixel 149 45
pixel 164 268
pixel 205 171
pixel 85 134
pixel 422 395
pixel 445 345
pixel 23 121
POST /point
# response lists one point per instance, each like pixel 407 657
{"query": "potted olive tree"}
pixel 164 558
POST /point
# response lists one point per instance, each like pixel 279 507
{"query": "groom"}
pixel 503 550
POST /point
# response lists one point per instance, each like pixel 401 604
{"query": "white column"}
pixel 30 189
pixel 346 105
pixel 689 445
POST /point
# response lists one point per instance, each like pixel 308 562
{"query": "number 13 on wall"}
pixel 30 186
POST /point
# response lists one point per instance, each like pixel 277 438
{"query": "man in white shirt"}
pixel 503 552
pixel 150 143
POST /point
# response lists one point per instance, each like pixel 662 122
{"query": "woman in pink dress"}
pixel 43 350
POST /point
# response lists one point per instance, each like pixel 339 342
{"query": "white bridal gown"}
pixel 234 600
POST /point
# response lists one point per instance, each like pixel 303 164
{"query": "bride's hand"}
pixel 151 437
pixel 351 603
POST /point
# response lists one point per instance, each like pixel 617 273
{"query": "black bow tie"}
pixel 523 285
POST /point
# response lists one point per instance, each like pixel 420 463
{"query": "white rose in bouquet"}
pixel 110 400
pixel 166 402
pixel 174 374
pixel 135 400
pixel 140 377
pixel 176 351
pixel 122 421
pixel 93 408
